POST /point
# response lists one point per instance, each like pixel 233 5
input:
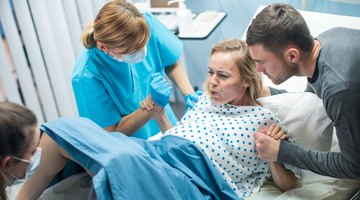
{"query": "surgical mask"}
pixel 136 57
pixel 34 162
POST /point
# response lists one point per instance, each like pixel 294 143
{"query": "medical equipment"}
pixel 203 24
pixel 162 6
pixel 184 17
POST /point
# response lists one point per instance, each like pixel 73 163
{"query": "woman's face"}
pixel 224 81
pixel 18 168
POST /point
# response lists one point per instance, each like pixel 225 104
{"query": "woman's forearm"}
pixel 163 121
pixel 284 179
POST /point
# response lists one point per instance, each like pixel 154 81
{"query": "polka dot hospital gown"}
pixel 224 132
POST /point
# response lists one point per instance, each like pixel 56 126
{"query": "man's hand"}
pixel 267 146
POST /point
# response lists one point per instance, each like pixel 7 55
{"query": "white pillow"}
pixel 304 117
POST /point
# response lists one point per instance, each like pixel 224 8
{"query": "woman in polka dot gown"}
pixel 226 116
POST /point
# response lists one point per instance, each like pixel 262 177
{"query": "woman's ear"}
pixel 292 55
pixel 101 46
pixel 5 163
pixel 246 84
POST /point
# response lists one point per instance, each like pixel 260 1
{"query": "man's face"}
pixel 276 69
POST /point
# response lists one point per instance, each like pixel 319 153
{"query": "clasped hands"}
pixel 160 91
pixel 267 141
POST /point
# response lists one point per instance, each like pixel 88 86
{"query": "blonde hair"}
pixel 118 24
pixel 246 65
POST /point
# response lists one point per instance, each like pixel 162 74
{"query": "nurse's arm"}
pixel 129 124
pixel 178 76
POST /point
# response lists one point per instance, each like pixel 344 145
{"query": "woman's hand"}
pixel 275 131
pixel 158 113
pixel 147 104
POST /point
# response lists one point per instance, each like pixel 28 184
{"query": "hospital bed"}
pixel 294 111
pixel 307 126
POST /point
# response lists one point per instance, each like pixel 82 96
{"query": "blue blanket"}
pixel 131 168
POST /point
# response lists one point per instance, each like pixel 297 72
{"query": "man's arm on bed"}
pixel 274 91
pixel 267 91
pixel 284 179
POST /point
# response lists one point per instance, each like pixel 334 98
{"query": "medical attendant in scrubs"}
pixel 123 48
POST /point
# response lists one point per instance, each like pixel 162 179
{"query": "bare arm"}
pixel 163 121
pixel 178 76
pixel 134 121
pixel 161 118
pixel 284 179
pixel 53 160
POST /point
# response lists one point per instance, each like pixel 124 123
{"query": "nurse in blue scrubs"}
pixel 123 48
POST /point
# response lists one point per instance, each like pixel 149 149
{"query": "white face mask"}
pixel 34 162
pixel 136 57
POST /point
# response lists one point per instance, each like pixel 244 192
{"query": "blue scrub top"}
pixel 107 90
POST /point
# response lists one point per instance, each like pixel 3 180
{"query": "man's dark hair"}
pixel 277 26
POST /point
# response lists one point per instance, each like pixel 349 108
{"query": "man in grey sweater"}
pixel 282 46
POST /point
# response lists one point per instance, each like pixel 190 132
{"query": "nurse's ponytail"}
pixel 87 37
